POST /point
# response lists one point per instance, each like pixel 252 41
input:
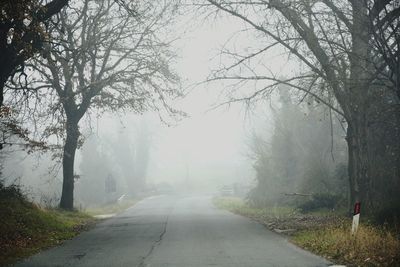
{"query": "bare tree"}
pixel 385 23
pixel 22 33
pixel 331 42
pixel 103 57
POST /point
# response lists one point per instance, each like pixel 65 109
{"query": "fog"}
pixel 205 101
pixel 199 133
pixel 199 152
pixel 209 148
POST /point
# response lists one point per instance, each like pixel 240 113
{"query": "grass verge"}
pixel 113 208
pixel 372 246
pixel 26 228
pixel 326 234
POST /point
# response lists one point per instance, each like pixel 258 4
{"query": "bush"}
pixel 10 192
pixel 320 201
pixel 389 215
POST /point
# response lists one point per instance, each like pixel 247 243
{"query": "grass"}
pixel 238 206
pixel 113 208
pixel 371 246
pixel 26 228
pixel 326 233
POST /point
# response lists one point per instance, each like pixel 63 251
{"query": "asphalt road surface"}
pixel 176 231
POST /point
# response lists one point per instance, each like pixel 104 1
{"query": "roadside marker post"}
pixel 356 218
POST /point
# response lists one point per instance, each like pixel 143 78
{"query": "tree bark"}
pixel 358 163
pixel 8 64
pixel 3 80
pixel 70 146
pixel 357 102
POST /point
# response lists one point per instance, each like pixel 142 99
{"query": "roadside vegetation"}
pixel 326 233
pixel 27 228
pixel 112 208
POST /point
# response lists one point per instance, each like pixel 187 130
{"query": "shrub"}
pixel 389 215
pixel 10 192
pixel 320 201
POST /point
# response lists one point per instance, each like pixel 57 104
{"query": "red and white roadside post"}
pixel 356 218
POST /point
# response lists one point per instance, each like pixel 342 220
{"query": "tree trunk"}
pixel 374 157
pixel 358 163
pixel 3 81
pixel 384 155
pixel 70 146
pixel 358 101
pixel 6 68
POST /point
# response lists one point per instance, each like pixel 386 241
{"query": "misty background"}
pixel 201 152
pixel 269 148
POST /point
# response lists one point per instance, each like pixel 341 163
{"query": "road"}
pixel 176 231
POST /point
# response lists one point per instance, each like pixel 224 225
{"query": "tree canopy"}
pixel 22 33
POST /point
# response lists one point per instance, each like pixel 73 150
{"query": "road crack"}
pixel 155 244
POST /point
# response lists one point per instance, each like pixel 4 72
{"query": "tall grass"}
pixel 371 246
